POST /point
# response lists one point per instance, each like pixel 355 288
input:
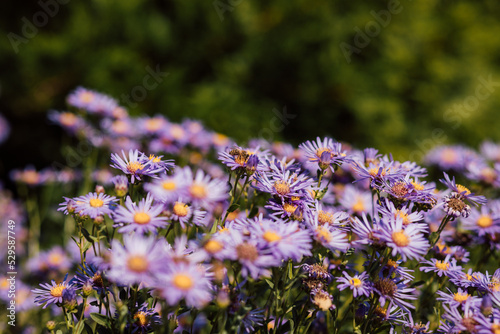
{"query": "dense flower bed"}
pixel 172 227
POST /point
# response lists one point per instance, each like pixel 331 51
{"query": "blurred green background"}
pixel 414 79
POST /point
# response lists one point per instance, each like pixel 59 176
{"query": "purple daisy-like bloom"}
pixel 158 163
pixel 457 321
pixel 67 120
pixel 151 125
pixel 357 283
pixel 455 206
pixel 138 260
pixel 409 242
pixel 185 281
pixel 167 189
pixel 144 319
pixel 203 191
pixel 242 159
pixel 91 276
pixel 94 205
pixel 282 183
pixel 92 101
pixel 254 260
pixel 377 174
pixel 327 152
pixel 463 191
pixel 182 212
pixel 140 218
pixel 68 206
pixel 285 240
pixel 410 217
pixel 447 267
pixel 484 221
pixel 355 200
pixel 458 298
pixel 367 233
pixel 51 293
pixel 394 290
pixel 450 157
pixel 463 280
pixel 487 283
pixel 327 235
pixel 135 165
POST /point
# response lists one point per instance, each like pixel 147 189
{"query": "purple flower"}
pixel 185 281
pixel 484 221
pixel 327 235
pixel 94 205
pixel 203 191
pixel 138 260
pixel 167 189
pixel 242 159
pixel 463 191
pixel 136 164
pixel 458 298
pixel 395 291
pixel 455 206
pixel 140 218
pixel 357 283
pixel 409 242
pixel 325 152
pixel 144 319
pixel 447 267
pixel 51 293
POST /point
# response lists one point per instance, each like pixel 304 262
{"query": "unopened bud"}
pixel 99 189
pixel 51 325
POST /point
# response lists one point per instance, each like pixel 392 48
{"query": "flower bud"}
pixel 69 299
pixel 87 288
pixel 51 325
pixel 99 189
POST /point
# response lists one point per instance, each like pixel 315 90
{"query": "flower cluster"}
pixel 174 228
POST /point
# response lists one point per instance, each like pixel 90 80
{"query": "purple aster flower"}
pixel 463 191
pixel 92 101
pixel 487 283
pixel 406 212
pixel 203 191
pixel 456 321
pixel 357 283
pixel 135 165
pixel 138 260
pixel 68 121
pixel 182 212
pixel 284 240
pixel 158 163
pixel 167 189
pixel 94 205
pixel 409 242
pixel 314 152
pixel 450 157
pixel 121 185
pixel 185 281
pixel 490 150
pixel 254 259
pixel 327 235
pixel 144 319
pixel 322 299
pixel 327 216
pixel 458 298
pixel 31 177
pixel 461 279
pixel 447 267
pixel 395 291
pixel 91 276
pixel 242 159
pixel 455 206
pixel 51 293
pixel 355 200
pixel 367 233
pixel 151 125
pixel 377 174
pixel 140 218
pixel 282 183
pixel 484 221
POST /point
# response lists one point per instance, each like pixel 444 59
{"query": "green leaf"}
pixel 59 331
pixel 419 283
pixel 271 284
pixel 233 207
pixel 79 327
pixel 100 319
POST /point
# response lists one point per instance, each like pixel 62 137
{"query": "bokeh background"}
pixel 428 74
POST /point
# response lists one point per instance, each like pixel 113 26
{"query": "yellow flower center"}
pixel 224 230
pixel 320 151
pixel 495 328
pixel 134 166
pixel 57 290
pixel 219 139
pixel 271 236
pixel 55 259
pixel 358 206
pixel 153 124
pixel 96 202
pixel 213 246
pixel 484 221
pixel 86 97
pixel 403 215
pixel 177 131
pixel 137 263
pixel 442 265
pixel 68 119
pixel 290 208
pixel 282 187
pixel 154 158
pixel 141 318
pixel 449 155
pixel 142 218
pixel 324 217
pixel 181 209
pixel 461 189
pixel 31 177
pixel 400 238
pixel 356 282
pixel 195 158
pixel 198 191
pixel 323 233
pixel 461 297
pixel 392 263
pixel 120 127
pixel 183 281
pixel 417 186
pixel 168 185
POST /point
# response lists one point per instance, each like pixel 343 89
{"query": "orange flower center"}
pixel 142 218
pixel 400 238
